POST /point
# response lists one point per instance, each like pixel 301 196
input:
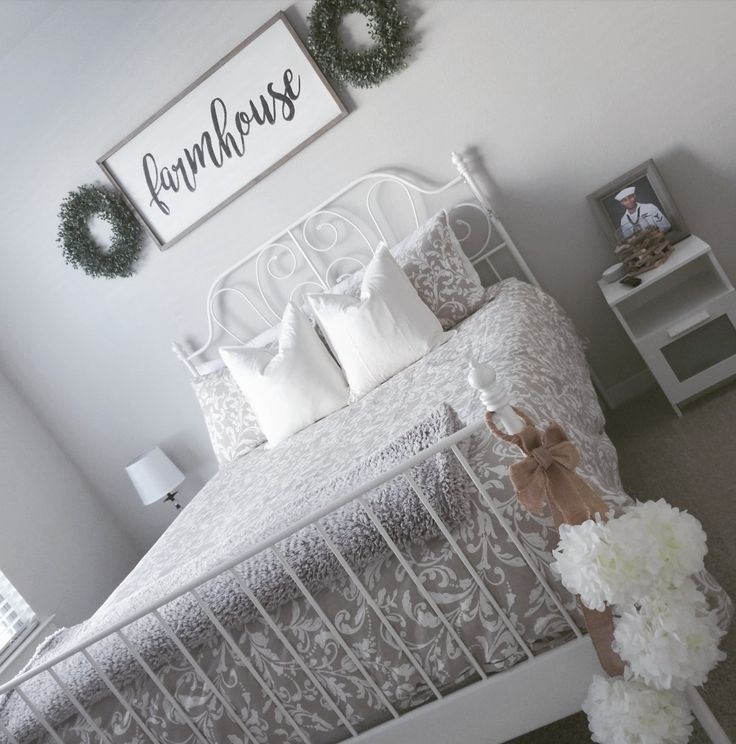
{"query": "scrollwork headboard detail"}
pixel 338 237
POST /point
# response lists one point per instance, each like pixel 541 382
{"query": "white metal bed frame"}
pixel 495 708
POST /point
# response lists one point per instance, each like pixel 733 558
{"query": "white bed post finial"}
pixel 459 162
pixel 463 168
pixel 180 352
pixel 494 397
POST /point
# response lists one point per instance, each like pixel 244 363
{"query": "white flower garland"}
pixel 651 548
pixel 641 564
pixel 657 548
pixel 621 712
pixel 669 640
pixel 585 561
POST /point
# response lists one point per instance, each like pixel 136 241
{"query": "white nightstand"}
pixel 682 320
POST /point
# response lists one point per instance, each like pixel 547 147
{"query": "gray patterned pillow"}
pixel 442 274
pixel 230 420
pixel 437 266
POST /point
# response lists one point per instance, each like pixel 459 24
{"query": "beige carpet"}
pixel 691 462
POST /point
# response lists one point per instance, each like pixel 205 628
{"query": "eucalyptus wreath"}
pixel 79 247
pixel 362 68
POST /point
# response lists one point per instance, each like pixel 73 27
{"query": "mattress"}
pixel 539 356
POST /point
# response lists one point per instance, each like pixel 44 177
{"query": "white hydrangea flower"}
pixel 626 712
pixel 656 547
pixel 669 640
pixel 585 563
pixel 650 548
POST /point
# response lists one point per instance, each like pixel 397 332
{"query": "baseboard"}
pixel 629 388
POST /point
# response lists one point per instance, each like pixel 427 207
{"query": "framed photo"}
pixel 635 201
pixel 244 117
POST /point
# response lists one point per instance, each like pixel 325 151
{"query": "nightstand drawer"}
pixel 696 351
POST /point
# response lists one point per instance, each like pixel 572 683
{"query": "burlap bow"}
pixel 547 477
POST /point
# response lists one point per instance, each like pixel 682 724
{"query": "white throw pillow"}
pixel 384 331
pixel 293 388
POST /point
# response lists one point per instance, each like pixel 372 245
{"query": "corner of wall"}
pixel 629 388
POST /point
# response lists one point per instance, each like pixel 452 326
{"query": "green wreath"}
pixel 361 68
pixel 79 247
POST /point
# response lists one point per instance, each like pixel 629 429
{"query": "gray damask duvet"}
pixel 538 355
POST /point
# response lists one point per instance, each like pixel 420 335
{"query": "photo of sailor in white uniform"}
pixel 637 217
pixel 637 201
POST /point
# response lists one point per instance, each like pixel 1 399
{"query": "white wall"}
pixel 59 544
pixel 559 97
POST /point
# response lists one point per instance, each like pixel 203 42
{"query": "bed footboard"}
pixel 492 707
pixel 575 656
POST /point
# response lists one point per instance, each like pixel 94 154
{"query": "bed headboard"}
pixel 338 237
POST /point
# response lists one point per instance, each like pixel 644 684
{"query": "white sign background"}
pixel 237 80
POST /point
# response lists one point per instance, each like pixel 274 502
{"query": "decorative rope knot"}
pixel 546 477
pixel 543 457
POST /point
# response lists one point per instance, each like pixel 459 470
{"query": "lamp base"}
pixel 172 498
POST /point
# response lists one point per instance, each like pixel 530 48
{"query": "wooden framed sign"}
pixel 243 118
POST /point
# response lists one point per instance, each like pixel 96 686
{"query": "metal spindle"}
pixel 203 676
pixel 82 710
pixel 120 697
pixel 468 565
pixel 294 653
pixel 36 712
pixel 161 686
pixel 334 632
pixel 374 606
pixel 492 267
pixel 705 717
pixel 428 598
pixel 225 633
pixel 488 501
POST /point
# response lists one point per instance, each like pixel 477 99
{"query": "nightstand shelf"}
pixel 682 320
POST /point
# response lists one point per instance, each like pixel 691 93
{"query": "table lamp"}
pixel 155 477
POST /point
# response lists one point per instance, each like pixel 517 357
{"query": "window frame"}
pixel 30 621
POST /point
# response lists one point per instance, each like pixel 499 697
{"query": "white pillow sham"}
pixel 229 418
pixel 293 388
pixel 384 331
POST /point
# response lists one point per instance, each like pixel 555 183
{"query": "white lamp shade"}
pixel 154 476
